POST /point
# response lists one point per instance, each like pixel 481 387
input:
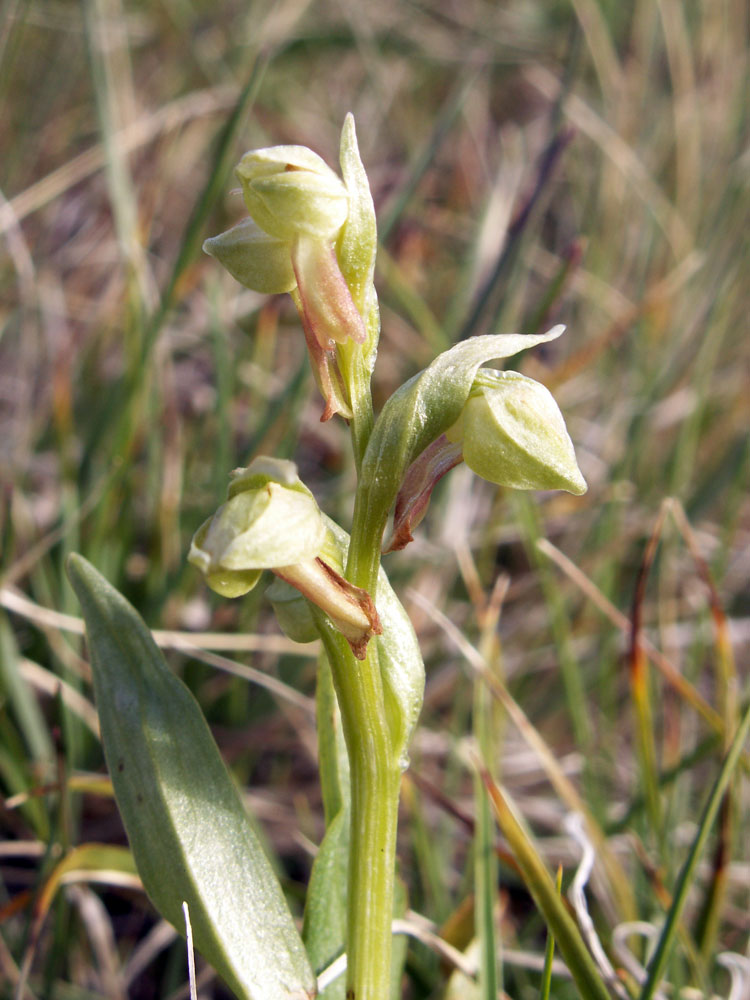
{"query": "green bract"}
pixel 512 433
pixel 290 190
pixel 270 519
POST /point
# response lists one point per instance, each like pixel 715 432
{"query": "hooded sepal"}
pixel 269 519
pixel 290 190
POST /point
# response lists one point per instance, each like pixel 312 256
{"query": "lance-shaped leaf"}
pixel 415 415
pixel 356 250
pixel 187 827
pixel 358 239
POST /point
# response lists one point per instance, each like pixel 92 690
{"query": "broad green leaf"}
pixel 418 413
pixel 185 821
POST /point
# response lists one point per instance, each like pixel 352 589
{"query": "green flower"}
pixel 271 521
pixel 302 215
pixel 512 433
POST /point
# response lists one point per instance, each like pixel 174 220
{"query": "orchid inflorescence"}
pixel 311 234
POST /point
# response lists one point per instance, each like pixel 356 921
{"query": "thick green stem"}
pixel 375 786
pixel 363 561
pixel 375 793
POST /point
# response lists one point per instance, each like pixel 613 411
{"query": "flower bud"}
pixel 290 190
pixel 255 259
pixel 512 433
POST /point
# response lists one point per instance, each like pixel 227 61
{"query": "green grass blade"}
pixel 684 882
pixel 549 951
pixel 16 692
pixel 485 859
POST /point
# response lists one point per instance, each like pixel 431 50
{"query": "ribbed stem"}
pixel 375 786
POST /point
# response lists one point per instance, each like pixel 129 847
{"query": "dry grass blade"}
pixel 707 929
pixel 640 688
pixel 620 887
pixel 622 156
pixel 145 129
pixel 668 670
pixel 686 878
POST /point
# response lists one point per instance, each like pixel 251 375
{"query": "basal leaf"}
pixel 185 821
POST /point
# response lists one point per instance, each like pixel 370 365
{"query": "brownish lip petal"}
pixel 351 609
pixel 326 373
pixel 361 599
pixel 414 496
pixel 327 303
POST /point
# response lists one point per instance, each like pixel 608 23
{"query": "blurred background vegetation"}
pixel 584 162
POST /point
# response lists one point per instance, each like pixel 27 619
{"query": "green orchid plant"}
pixel 312 234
